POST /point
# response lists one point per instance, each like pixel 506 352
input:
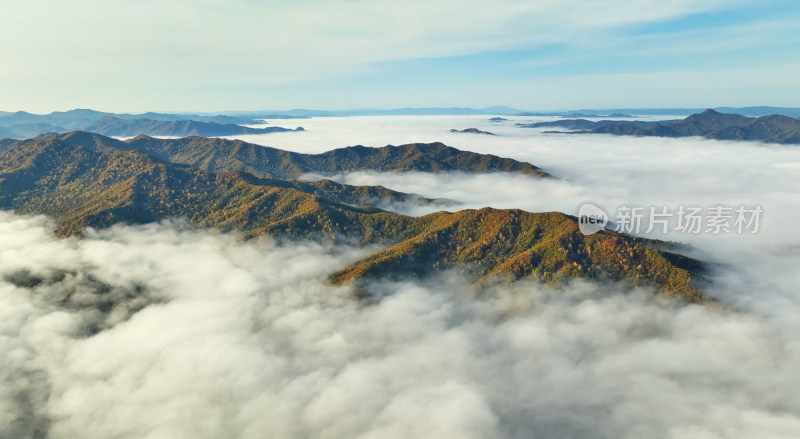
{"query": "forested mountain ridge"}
pixel 85 180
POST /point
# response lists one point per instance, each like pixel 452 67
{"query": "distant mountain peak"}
pixel 114 126
pixel 710 123
pixel 471 131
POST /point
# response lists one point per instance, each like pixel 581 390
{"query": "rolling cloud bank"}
pixel 166 331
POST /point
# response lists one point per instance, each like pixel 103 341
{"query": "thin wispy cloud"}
pixel 252 55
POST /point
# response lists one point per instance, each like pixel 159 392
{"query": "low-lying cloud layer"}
pixel 233 339
pixel 610 171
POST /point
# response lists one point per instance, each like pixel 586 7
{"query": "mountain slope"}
pixel 6 144
pixel 516 244
pixel 80 186
pixel 772 129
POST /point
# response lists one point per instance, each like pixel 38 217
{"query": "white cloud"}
pixel 608 170
pixel 249 341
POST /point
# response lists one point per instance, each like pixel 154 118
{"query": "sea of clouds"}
pixel 166 331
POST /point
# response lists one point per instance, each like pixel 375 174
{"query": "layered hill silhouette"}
pixel 81 117
pixel 22 124
pixel 472 131
pixel 584 124
pixel 112 126
pixel 709 124
pixel 83 179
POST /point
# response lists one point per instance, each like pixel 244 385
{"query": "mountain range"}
pixel 407 111
pixel 84 179
pixel 511 111
pixel 709 124
pixel 630 112
pixel 585 125
pixel 81 117
pixel 113 126
pixel 235 155
pixel 22 124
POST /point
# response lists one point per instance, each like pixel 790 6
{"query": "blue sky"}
pixel 205 55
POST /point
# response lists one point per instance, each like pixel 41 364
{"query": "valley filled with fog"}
pixel 609 171
pixel 134 330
